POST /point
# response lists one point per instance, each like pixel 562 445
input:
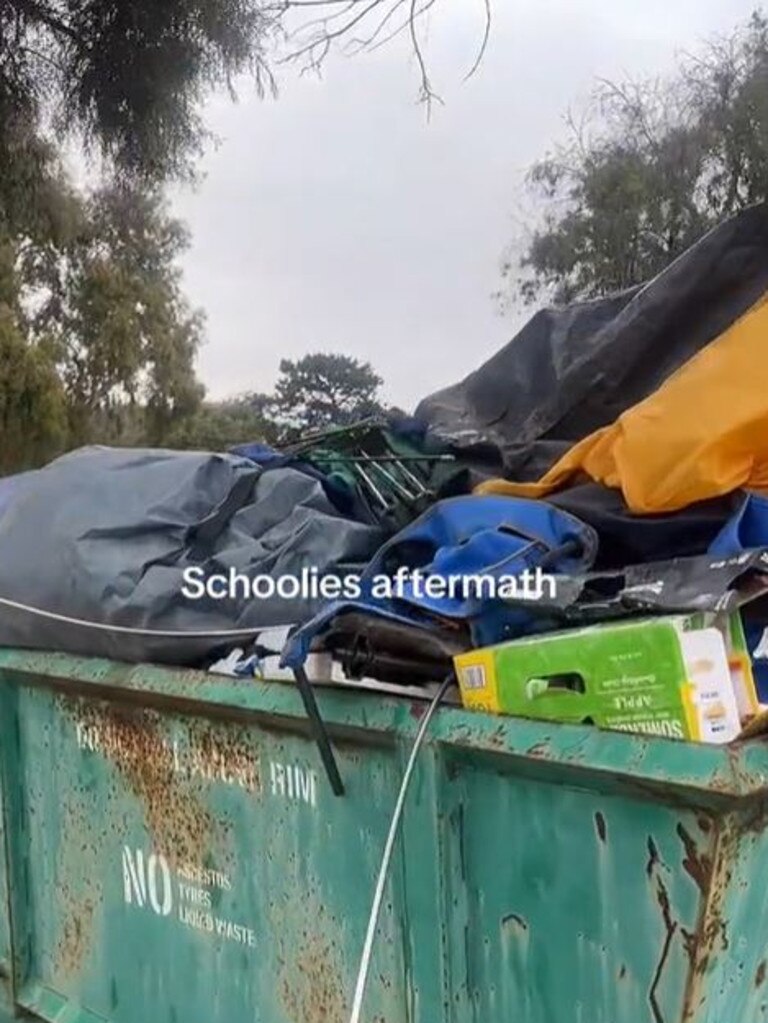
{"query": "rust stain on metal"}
pixel 132 740
pixel 219 755
pixel 670 927
pixel 418 709
pixel 78 890
pixel 312 986
pixel 75 938
pixel 163 775
pixel 167 775
pixel 539 749
pixel 713 928
pixel 756 819
pixel 760 975
pixel 498 737
pixel 314 996
pixel 690 942
pixel 698 865
pixel 653 857
pixel 712 933
pixel 600 825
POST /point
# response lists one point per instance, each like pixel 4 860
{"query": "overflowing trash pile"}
pixel 614 455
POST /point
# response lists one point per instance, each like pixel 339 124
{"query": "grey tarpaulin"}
pixel 574 369
pixel 104 534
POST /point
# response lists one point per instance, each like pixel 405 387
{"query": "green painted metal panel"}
pixel 172 853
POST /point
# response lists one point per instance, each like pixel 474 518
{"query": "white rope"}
pixel 365 959
pixel 130 631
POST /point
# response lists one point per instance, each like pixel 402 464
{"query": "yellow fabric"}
pixel 703 433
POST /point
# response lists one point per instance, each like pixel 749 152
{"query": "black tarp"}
pixel 627 538
pixel 104 535
pixel 574 369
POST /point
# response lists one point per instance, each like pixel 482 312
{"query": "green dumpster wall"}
pixel 172 853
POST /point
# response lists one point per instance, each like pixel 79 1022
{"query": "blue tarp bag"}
pixel 493 538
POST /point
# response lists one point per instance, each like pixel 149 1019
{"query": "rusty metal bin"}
pixel 172 853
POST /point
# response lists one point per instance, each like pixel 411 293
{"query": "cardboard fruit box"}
pixel 677 676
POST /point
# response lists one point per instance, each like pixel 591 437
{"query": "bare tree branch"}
pixel 484 44
pixel 404 26
pixel 427 95
pixel 326 36
pixel 358 26
pixel 368 42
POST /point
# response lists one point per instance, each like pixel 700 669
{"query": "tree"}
pixel 33 420
pixel 650 169
pixel 109 308
pixel 319 391
pixel 129 77
pixel 96 339
pixel 313 393
pixel 218 426
pixel 33 214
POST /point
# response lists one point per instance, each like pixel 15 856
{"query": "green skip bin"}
pixel 173 853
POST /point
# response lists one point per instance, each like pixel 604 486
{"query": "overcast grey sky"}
pixel 337 219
